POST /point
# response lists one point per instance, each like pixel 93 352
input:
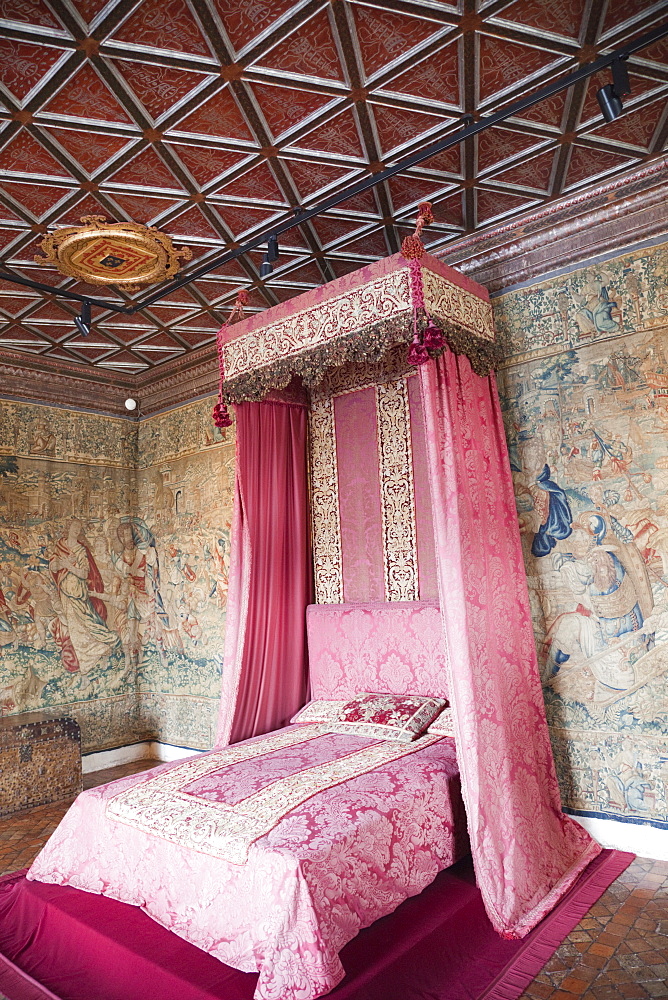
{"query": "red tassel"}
pixel 412 246
pixel 417 353
pixel 433 338
pixel 221 416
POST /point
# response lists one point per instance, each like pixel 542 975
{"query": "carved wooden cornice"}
pixel 610 218
pixel 63 384
pixel 179 381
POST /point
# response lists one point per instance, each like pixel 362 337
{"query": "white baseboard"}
pixel 150 750
pixel 645 841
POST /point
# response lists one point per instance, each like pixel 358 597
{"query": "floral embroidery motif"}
pixel 397 501
pixel 363 374
pixel 336 317
pixel 362 323
pixel 459 307
pixel 389 716
pixel 325 515
pixel 161 807
pixel 443 725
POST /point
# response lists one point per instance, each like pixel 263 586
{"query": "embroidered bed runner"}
pixel 222 803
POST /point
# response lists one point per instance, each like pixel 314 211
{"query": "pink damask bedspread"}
pixel 238 852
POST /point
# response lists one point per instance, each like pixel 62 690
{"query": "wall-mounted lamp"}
pixel 130 404
pixel 610 96
pixel 83 322
pixel 270 258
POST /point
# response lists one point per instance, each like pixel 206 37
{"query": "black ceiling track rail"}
pixel 301 216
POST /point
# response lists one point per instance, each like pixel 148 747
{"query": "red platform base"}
pixel 58 943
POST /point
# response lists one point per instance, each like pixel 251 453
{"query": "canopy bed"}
pixel 272 851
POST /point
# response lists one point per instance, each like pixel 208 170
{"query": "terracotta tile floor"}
pixel 23 834
pixel 620 949
pixel 618 952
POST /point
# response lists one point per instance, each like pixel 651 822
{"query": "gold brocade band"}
pixel 159 805
pixel 367 344
pixel 358 322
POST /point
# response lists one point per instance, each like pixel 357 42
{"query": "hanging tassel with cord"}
pixel 221 415
pixel 430 339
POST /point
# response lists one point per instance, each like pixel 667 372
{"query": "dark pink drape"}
pixel 527 853
pixel 265 664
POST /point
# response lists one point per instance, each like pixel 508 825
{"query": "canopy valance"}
pixel 358 318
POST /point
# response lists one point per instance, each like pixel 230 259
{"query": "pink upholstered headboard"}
pixel 396 647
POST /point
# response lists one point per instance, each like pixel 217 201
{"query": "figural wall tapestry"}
pixel 585 397
pixel 113 560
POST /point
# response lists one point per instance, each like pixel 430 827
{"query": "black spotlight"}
pixel 271 256
pixel 610 97
pixel 83 322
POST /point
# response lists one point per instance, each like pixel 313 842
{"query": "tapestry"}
pixel 185 487
pixel 585 397
pixel 113 545
pixel 372 531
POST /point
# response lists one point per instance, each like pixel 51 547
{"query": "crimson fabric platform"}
pixel 58 943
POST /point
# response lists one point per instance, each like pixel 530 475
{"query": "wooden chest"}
pixel 40 760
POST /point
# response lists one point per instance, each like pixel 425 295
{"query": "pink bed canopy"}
pixel 526 852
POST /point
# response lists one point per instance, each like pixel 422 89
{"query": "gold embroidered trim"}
pixel 325 514
pixel 356 375
pixel 158 806
pixel 457 306
pixel 397 500
pixel 359 325
pixel 443 725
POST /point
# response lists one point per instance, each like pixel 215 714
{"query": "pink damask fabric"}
pixel 527 853
pixel 396 647
pixel 359 496
pixel 337 862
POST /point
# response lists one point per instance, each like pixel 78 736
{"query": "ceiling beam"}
pixel 300 217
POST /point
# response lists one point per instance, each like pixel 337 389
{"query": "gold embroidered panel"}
pixel 396 491
pixel 333 319
pixel 362 374
pixel 159 806
pixel 455 305
pixel 326 525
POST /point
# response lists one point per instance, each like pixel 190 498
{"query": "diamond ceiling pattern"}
pixel 214 119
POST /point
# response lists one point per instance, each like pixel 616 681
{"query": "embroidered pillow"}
pixel 443 725
pixel 319 711
pixel 401 717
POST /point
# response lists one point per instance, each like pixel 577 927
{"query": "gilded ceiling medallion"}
pixel 124 254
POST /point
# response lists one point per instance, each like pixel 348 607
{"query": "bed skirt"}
pixel 59 943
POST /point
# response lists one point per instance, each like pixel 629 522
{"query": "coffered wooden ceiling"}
pixel 213 119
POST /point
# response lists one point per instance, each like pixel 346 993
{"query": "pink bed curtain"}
pixel 265 662
pixel 527 853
